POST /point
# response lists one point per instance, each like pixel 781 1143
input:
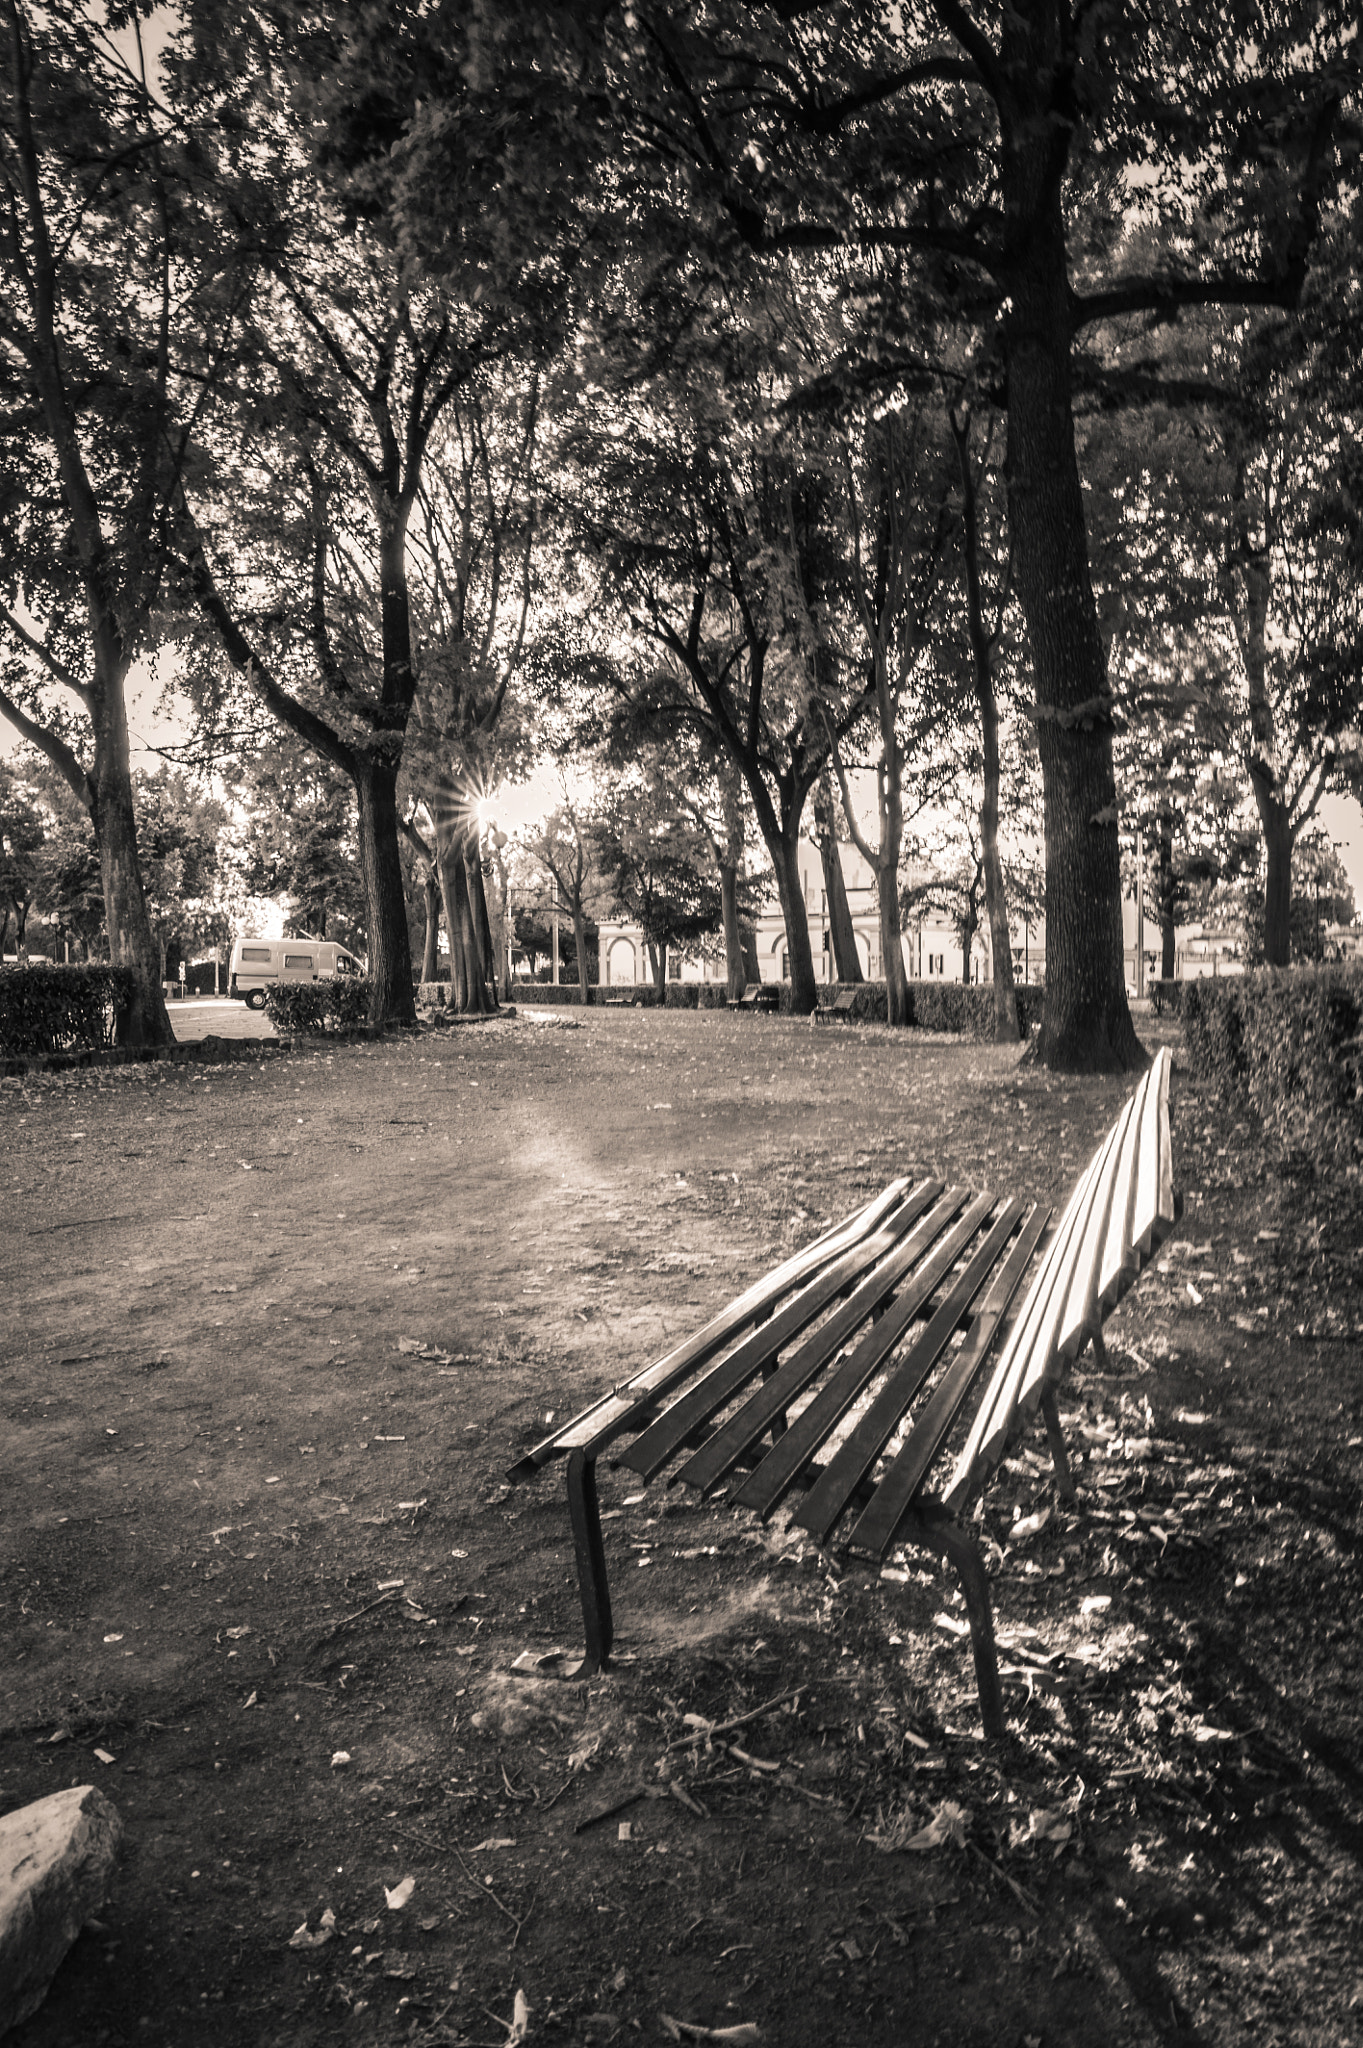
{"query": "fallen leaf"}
pixel 494 1842
pixel 687 2030
pixel 520 2020
pixel 303 1938
pixel 399 1895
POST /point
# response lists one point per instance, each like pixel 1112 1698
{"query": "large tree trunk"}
pixel 804 989
pixel 132 943
pixel 580 938
pixel 892 946
pixel 390 957
pixel 482 924
pixel 469 994
pixel 1277 827
pixel 752 959
pixel 1086 1024
pixel 734 969
pixel 846 960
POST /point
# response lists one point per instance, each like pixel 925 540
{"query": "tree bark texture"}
pixel 132 943
pixel 842 934
pixel 1087 1022
pixel 1168 936
pixel 430 895
pixel 892 947
pixel 804 989
pixel 735 972
pixel 390 957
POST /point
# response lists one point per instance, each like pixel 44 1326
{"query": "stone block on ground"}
pixel 56 1858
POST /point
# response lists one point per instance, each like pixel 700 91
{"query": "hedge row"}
pixel 339 1004
pixel 47 1009
pixel 1285 1042
pixel 933 1005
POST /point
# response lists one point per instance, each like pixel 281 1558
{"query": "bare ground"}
pixel 275 1330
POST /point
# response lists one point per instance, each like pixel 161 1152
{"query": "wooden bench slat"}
pixel 720 1452
pixel 1079 1314
pixel 662 1439
pixel 765 1488
pixel 1001 1392
pixel 608 1415
pixel 877 1527
pixel 1023 1388
pixel 1118 1259
pixel 832 1492
pixel 1155 1190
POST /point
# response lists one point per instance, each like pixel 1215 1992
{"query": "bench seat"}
pixel 758 995
pixel 883 1372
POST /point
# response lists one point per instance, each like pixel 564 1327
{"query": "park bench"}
pixel 758 995
pixel 844 1004
pixel 881 1371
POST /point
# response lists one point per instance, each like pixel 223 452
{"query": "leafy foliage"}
pixel 47 1009
pixel 1287 1045
pixel 342 1004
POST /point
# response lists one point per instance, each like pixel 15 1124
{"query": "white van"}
pixel 257 964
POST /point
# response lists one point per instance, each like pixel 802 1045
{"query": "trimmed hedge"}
pixel 966 1008
pixel 339 1004
pixel 1285 1042
pixel 47 1008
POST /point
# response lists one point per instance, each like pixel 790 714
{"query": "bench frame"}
pixel 914 1268
pixel 757 995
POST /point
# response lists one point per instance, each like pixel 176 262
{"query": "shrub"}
pixel 967 1008
pixel 1286 1044
pixel 46 1008
pixel 341 1004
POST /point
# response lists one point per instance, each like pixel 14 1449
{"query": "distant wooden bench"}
pixel 844 1004
pixel 880 1371
pixel 758 995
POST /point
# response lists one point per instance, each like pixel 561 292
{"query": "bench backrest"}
pixel 1119 1213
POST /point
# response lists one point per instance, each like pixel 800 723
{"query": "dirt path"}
pixel 275 1331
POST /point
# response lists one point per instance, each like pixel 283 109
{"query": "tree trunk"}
pixel 657 960
pixel 1273 816
pixel 482 925
pixel 1272 805
pixel 430 890
pixel 390 958
pixel 1166 897
pixel 1006 1030
pixel 892 946
pixel 132 944
pixel 846 960
pixel 1087 1023
pixel 469 994
pixel 804 989
pixel 752 960
pixel 734 968
pixel 580 937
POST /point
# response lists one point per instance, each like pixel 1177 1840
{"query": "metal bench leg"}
pixel 943 1534
pixel 1055 1437
pixel 584 1512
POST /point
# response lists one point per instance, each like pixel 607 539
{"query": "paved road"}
pixel 195 1017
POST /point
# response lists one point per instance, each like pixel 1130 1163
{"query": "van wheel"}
pixel 255 999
